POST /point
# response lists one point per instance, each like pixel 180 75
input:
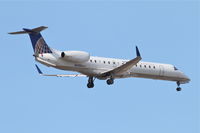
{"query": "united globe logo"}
pixel 42 47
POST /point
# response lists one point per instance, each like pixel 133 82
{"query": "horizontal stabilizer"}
pixel 30 31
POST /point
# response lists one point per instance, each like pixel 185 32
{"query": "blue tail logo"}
pixel 41 47
pixel 38 43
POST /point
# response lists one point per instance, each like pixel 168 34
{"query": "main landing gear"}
pixel 90 82
pixel 178 88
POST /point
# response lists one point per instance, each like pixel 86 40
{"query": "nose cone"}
pixel 185 78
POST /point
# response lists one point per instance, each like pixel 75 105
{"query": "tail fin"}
pixel 38 43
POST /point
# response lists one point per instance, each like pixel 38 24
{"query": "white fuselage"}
pixel 98 65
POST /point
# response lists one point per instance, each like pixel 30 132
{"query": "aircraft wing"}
pixel 124 67
pixel 60 75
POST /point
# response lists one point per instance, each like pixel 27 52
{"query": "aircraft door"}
pixel 161 71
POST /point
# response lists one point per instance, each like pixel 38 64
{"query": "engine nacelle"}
pixel 75 56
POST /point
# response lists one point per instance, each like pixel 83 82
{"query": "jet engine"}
pixel 75 56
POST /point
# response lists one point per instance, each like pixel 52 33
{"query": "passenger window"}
pixel 104 62
pixel 113 62
pixel 154 67
pixel 95 61
pixel 90 60
pixel 141 66
pixel 108 62
pixel 149 66
pixel 145 66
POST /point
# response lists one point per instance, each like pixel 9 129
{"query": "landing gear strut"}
pixel 178 88
pixel 110 81
pixel 90 82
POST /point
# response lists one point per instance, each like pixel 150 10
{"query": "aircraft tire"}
pixel 110 81
pixel 178 89
pixel 90 85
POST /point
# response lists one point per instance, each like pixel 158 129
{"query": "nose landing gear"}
pixel 90 82
pixel 178 88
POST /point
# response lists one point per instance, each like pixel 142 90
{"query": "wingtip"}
pixel 137 52
pixel 38 69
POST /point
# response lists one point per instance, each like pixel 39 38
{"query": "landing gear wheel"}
pixel 90 85
pixel 178 88
pixel 90 82
pixel 110 81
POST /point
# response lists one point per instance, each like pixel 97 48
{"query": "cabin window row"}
pixel 109 62
pixel 146 66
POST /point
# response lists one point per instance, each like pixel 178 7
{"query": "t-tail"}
pixel 38 42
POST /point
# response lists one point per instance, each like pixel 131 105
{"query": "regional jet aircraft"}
pixel 99 67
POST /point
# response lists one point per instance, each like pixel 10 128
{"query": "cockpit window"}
pixel 175 68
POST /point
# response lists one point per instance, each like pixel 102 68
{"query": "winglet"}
pixel 137 51
pixel 38 69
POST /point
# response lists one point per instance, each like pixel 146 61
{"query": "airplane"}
pixel 100 68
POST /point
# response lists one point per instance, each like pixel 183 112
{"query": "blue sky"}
pixel 166 32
